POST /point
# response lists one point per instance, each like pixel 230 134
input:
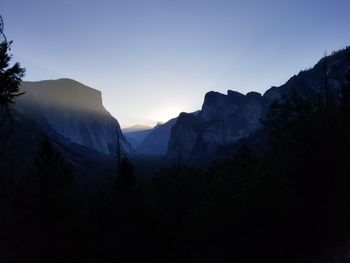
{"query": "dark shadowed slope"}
pixel 136 134
pixel 22 140
pixel 156 143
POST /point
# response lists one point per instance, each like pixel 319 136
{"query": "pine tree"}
pixel 10 76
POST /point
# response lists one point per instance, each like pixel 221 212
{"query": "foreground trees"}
pixel 10 76
pixel 43 215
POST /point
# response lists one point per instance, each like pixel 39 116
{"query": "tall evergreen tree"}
pixel 10 76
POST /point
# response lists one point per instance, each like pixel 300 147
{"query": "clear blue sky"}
pixel 155 58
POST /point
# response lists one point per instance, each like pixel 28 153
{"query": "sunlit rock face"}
pixel 72 110
pixel 225 119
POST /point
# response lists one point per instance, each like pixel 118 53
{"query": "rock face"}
pixel 156 142
pixel 225 119
pixel 73 111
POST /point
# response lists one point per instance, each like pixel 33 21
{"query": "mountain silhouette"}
pixel 226 119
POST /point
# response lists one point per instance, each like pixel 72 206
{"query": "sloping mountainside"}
pixel 22 141
pixel 136 134
pixel 73 111
pixel 332 68
pixel 156 143
pixel 227 119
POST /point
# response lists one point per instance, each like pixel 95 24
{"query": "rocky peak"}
pixel 235 97
pixel 253 95
pixel 213 99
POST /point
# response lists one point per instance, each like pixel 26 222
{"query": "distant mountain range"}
pixel 147 140
pixel 156 142
pixel 136 128
pixel 136 134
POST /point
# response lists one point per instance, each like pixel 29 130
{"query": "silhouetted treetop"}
pixel 10 76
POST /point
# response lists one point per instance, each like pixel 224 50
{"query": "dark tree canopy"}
pixel 10 75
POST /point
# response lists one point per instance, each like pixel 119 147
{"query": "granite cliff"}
pixel 72 110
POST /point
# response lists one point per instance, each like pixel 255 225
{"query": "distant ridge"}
pixel 137 127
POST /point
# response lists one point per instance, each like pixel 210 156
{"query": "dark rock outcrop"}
pixel 223 119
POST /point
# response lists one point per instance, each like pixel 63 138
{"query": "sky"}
pixel 153 59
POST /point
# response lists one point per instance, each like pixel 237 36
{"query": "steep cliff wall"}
pixel 73 111
pixel 224 119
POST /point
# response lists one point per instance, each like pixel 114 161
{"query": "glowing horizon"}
pixel 154 59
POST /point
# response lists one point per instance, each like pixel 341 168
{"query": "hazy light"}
pixel 167 113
